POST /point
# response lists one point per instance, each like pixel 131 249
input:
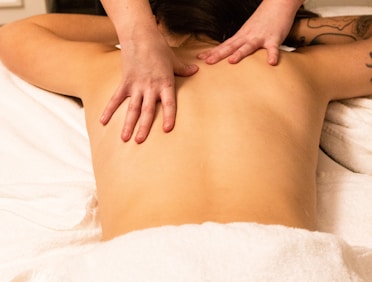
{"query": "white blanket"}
pixel 215 252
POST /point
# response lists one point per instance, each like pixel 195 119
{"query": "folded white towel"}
pixel 347 134
pixel 215 252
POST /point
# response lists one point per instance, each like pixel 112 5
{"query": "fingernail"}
pixel 272 62
pixel 167 127
pixel 125 136
pixel 210 61
pixel 140 139
pixel 102 119
pixel 193 68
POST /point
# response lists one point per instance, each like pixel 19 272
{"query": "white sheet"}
pixel 347 134
pixel 45 163
pixel 215 252
pixel 43 135
pixel 47 188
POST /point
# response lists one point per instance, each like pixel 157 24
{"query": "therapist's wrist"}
pixel 138 28
pixel 138 34
pixel 289 5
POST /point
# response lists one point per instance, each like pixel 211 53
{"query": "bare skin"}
pixel 246 141
pixel 150 65
pixel 267 28
pixel 149 70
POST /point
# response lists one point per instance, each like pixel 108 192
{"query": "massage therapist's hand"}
pixel 266 28
pixel 149 66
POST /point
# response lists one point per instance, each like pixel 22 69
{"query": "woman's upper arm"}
pixel 341 71
pixel 45 53
pixel 341 60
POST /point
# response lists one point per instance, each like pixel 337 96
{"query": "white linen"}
pixel 346 135
pixel 344 207
pixel 43 136
pixel 344 201
pixel 215 252
pixel 47 187
pixel 38 220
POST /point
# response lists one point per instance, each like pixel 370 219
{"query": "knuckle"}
pixel 169 103
pixel 168 82
pixel 229 48
pixel 118 99
pixel 148 109
pixel 134 107
pixel 143 127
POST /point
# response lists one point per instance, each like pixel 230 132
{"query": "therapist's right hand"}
pixel 149 66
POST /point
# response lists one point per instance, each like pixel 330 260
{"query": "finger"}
pixel 273 55
pixel 147 117
pixel 203 55
pixel 223 51
pixel 133 113
pixel 244 51
pixel 181 69
pixel 113 105
pixel 206 54
pixel 169 106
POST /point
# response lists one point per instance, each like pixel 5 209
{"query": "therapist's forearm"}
pixel 130 17
pixel 290 7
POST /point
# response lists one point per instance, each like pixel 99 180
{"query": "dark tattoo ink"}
pixel 363 25
pixel 336 23
pixel 319 38
pixel 370 65
pixel 335 30
pixel 340 27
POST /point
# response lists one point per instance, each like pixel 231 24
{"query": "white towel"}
pixel 344 206
pixel 347 134
pixel 57 206
pixel 37 219
pixel 47 187
pixel 43 135
pixel 215 252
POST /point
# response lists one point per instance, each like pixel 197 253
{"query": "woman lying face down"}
pixel 245 145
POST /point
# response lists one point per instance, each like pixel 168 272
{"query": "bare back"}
pixel 244 149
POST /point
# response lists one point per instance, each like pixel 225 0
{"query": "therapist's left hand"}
pixel 266 28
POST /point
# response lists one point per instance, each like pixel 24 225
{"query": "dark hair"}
pixel 218 19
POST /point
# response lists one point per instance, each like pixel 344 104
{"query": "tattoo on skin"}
pixel 363 25
pixel 337 30
pixel 370 65
pixel 339 25
pixel 319 39
pixel 334 23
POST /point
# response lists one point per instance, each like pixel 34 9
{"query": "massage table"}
pixel 50 217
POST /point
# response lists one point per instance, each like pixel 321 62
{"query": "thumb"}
pixel 273 55
pixel 182 69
